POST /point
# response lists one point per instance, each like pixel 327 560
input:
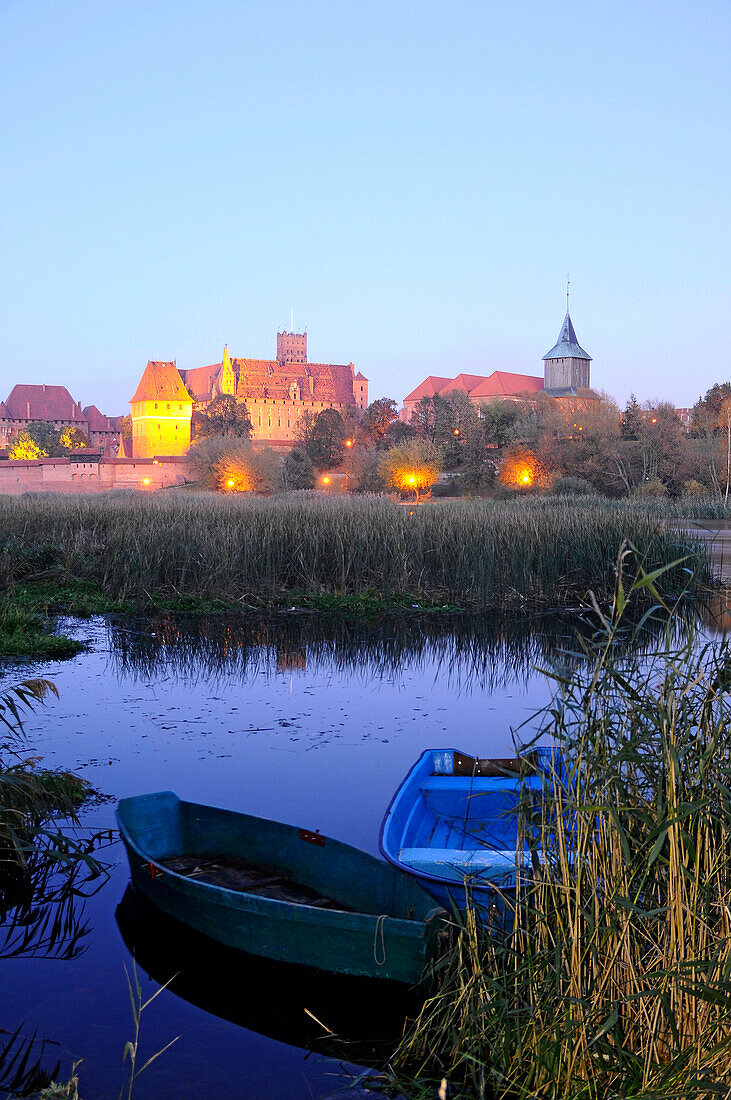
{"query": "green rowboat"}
pixel 278 891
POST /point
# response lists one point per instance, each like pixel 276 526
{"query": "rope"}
pixel 379 929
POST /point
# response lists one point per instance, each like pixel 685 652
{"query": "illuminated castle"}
pixel 277 393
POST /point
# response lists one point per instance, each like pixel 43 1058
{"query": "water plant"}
pixel 479 554
pixel 615 977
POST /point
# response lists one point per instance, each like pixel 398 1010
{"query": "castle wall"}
pixel 62 475
pixel 277 421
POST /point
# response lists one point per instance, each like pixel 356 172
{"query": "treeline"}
pixel 500 448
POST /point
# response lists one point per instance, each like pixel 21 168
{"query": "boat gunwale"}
pixel 311 913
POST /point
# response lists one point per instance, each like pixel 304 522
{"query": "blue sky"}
pixel 414 179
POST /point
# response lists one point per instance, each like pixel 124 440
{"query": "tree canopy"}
pixel 225 415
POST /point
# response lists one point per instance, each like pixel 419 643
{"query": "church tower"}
pixel 566 364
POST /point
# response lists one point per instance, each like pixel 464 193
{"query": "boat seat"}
pixel 466 783
pixel 459 865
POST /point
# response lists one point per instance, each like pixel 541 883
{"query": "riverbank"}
pixel 207 553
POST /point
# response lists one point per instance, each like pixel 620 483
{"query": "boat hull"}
pixel 396 940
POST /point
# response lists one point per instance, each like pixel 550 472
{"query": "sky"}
pixel 413 180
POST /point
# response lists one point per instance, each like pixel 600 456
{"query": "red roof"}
pixel 428 388
pixel 42 403
pixel 4 414
pixel 161 382
pixel 466 382
pixel 360 377
pixel 97 421
pixel 259 378
pixel 504 384
pixel 201 379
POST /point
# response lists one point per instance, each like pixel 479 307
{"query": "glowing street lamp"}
pixel 348 442
pixel 326 481
pixel 145 481
pixel 230 483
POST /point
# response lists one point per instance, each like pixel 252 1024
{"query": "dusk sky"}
pixel 413 179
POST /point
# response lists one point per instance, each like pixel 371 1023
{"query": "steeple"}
pixel 567 346
pixel 567 365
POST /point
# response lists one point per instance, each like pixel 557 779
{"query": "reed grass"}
pixel 473 554
pixel 614 978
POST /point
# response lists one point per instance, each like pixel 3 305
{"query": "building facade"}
pixel 566 375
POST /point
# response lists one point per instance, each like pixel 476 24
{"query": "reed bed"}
pixel 614 979
pixel 475 554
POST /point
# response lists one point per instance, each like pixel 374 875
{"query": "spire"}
pixel 226 358
pixel 567 346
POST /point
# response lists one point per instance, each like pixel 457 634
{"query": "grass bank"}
pixel 201 551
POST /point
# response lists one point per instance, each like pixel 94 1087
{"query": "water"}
pixel 309 720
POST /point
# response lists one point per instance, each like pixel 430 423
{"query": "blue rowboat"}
pixel 278 891
pixel 453 824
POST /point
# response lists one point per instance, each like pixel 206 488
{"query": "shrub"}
pixel 230 464
pixel 297 470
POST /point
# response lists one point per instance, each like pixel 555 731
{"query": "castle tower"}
pixel 291 347
pixel 567 364
pixel 162 410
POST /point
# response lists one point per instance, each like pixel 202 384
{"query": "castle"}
pixel 29 404
pixel 277 393
pixel 566 376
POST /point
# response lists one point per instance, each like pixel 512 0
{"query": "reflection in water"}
pixel 714 611
pixel 464 651
pixel 42 916
pixel 350 1017
pixel 21 1065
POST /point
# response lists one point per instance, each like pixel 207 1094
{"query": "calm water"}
pixel 309 721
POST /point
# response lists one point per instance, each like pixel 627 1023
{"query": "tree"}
pixel 707 410
pixel 411 468
pixel 305 428
pixel 632 419
pixel 377 418
pixel 326 443
pixel 397 433
pixel 24 446
pixel 39 440
pixel 72 438
pixel 497 420
pixel 223 416
pixel 297 470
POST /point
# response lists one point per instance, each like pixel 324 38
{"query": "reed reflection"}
pixel 465 651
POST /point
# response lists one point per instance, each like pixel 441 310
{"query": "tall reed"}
pixel 477 554
pixel 614 979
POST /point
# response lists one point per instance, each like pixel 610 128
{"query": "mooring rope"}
pixel 379 928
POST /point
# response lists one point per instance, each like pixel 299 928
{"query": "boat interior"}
pixel 247 878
